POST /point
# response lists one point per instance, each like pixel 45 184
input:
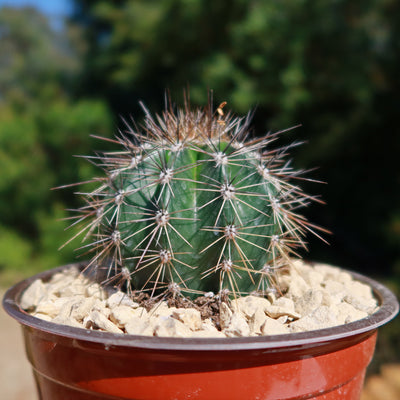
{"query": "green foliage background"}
pixel 42 125
pixel 330 65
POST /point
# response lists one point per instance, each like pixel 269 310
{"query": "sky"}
pixel 49 7
pixel 54 9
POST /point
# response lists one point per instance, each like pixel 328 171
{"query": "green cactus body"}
pixel 191 206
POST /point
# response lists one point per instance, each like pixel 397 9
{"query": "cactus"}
pixel 191 204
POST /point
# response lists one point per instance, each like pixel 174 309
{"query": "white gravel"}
pixel 315 297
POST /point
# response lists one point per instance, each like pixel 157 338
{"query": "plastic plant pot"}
pixel 73 363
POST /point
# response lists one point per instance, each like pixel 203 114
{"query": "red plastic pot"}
pixel 71 363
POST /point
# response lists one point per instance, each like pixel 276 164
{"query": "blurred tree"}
pixel 330 65
pixel 138 49
pixel 42 125
pixel 36 61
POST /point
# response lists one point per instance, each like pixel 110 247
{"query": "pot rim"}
pixel 388 309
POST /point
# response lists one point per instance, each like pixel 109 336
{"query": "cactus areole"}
pixel 190 203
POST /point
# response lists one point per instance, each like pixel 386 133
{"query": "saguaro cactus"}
pixel 190 204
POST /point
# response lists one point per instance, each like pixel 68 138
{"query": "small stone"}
pixel 320 318
pixel 60 277
pixel 139 326
pixel 52 308
pixel 303 324
pixel 171 327
pixel 256 321
pixel 323 315
pixel 283 319
pixel 94 290
pixel 281 307
pixel 297 286
pixel 189 316
pixel 335 290
pixel 271 296
pixel 67 275
pixel 207 325
pixel 67 320
pixel 358 289
pixel 100 306
pixel 311 300
pixel 284 303
pixel 312 277
pixel 82 308
pixel 273 327
pixel 295 279
pixel 121 315
pixel 66 283
pixel 44 317
pixel 328 271
pixel 333 286
pixel 367 305
pixel 32 295
pixel 237 326
pixel 249 305
pixel 69 288
pixel 120 299
pixel 140 312
pixel 67 304
pixel 346 313
pixel 225 315
pixel 161 309
pixel 207 334
pixel 102 322
pixel 344 277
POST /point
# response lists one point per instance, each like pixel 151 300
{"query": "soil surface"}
pixel 16 380
pixel 311 296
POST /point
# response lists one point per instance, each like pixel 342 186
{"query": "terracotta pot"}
pixel 72 363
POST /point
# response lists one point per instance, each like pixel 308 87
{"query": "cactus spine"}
pixel 190 205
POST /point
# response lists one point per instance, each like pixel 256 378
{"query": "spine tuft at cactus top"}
pixel 190 203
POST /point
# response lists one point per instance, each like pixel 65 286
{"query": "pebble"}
pixel 33 294
pixel 207 325
pixel 281 307
pixel 316 297
pixel 139 326
pixel 310 300
pixel 225 315
pixel 81 308
pixel 52 307
pixel 171 327
pixel 295 283
pixel 100 321
pixel 273 327
pixel 256 321
pixel 44 317
pixel 321 317
pixel 94 290
pixel 207 334
pixel 161 309
pixel 237 327
pixel 249 305
pixel 347 313
pixel 121 315
pixel 63 320
pixel 120 299
pixel 189 316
